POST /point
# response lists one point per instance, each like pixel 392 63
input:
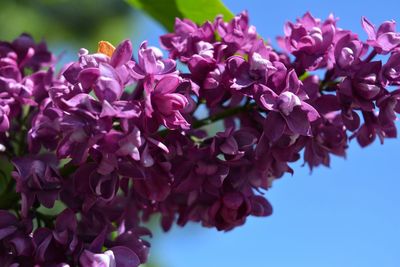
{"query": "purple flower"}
pixel 81 126
pixel 130 239
pixel 234 144
pixel 389 105
pixel 182 42
pixel 237 34
pixel 372 128
pixel 165 104
pixel 309 40
pixel 151 64
pixel 328 138
pixel 288 110
pixel 230 211
pixel 37 178
pixel 385 39
pixel 60 244
pixel 106 76
pixel 257 70
pixel 348 50
pixel 14 235
pixel 45 130
pixel 115 257
pixel 27 52
pixel 363 87
pixel 215 86
pixel 391 70
pixel 94 186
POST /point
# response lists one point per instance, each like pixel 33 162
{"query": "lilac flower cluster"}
pixel 119 136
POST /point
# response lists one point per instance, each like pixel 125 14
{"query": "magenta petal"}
pixel 107 89
pixel 297 122
pixel 88 76
pixel 268 99
pixel 6 231
pixel 274 126
pixel 312 113
pixel 122 54
pixel 124 257
pixel 388 41
pixel 365 136
pixel 369 28
pixel 167 85
pixel 387 26
pixel 260 206
pixel 4 123
pixel 89 259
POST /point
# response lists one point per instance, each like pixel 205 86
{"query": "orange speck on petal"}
pixel 105 48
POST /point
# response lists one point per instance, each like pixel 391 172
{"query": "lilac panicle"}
pixel 117 136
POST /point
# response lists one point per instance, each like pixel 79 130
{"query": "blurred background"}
pixel 347 215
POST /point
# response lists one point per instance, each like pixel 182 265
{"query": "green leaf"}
pixel 162 11
pixel 201 10
pixel 5 173
pixel 165 11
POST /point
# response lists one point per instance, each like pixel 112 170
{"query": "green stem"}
pixel 222 115
pixel 216 117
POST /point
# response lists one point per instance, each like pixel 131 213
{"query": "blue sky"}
pixel 346 215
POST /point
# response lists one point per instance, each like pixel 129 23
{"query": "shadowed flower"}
pixel 165 104
pixel 288 110
pixel 37 178
pixel 150 64
pixel 309 40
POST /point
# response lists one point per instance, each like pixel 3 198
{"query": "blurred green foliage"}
pixel 68 23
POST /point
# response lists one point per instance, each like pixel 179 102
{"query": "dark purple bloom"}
pixel 115 257
pixel 362 88
pixel 385 39
pixel 309 40
pixel 95 186
pixel 230 211
pixel 372 128
pixel 14 235
pixel 348 50
pixel 60 244
pixel 27 52
pixel 37 178
pixel 182 42
pixel 45 130
pixel 328 138
pixel 391 70
pixel 165 104
pixel 106 76
pixel 237 34
pixel 288 109
pixel 389 105
pixel 150 63
pixel 256 70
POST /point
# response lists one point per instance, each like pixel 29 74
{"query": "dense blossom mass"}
pixel 118 136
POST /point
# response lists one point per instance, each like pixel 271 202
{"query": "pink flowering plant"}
pixel 119 135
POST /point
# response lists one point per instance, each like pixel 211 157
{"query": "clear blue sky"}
pixel 345 216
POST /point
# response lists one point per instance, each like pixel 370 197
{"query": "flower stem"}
pixel 371 56
pixel 216 117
